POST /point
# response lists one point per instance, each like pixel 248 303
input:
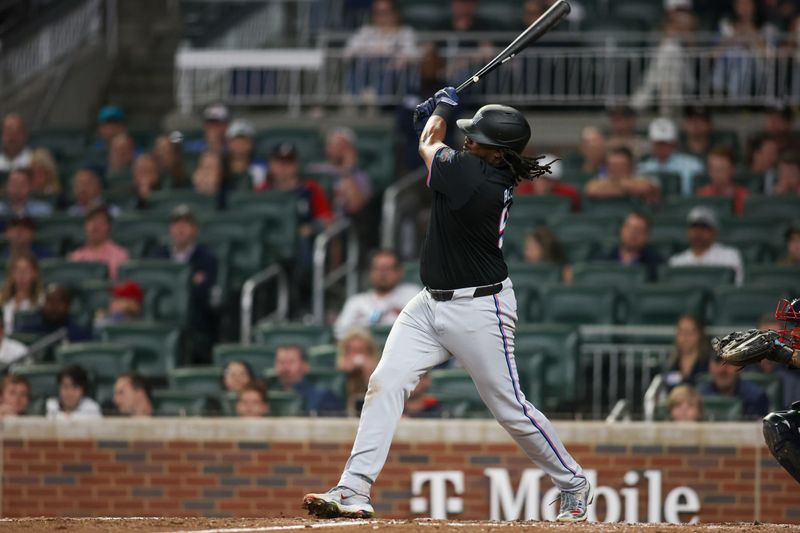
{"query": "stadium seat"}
pixel 722 408
pixel 646 13
pixel 246 237
pixel 617 207
pixel 547 357
pixel 167 402
pixel 61 233
pixel 166 200
pixel 154 345
pixel 772 385
pixel 528 280
pixel 66 144
pixel 198 379
pixel 697 276
pixel 41 378
pixel 680 206
pixel 104 360
pixel 282 403
pixel 277 211
pixel 380 332
pixel 166 285
pixel 221 250
pixel 88 297
pixel 586 227
pixel 532 210
pixel 307 140
pixel 580 304
pixel 376 154
pixel 322 356
pixel 609 274
pixel 329 378
pixel 666 247
pixel 27 319
pixel 272 335
pixel 779 208
pixel 750 228
pixel 72 273
pixel 775 276
pixel 141 234
pixel 423 15
pixel 260 358
pixel 743 306
pixel 663 304
pixel 411 272
pixel 670 183
pixel 669 226
pixel 455 390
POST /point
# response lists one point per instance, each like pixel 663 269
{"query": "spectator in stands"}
pixel 690 353
pixel 55 314
pixel 209 177
pixel 787 179
pixel 385 299
pixel 18 201
pixel 789 376
pixel 548 184
pixel 237 375
pixel 22 288
pixel 669 77
pixel 634 247
pixel 357 358
pixel 593 151
pixel 666 157
pixel 725 381
pixel 252 400
pixel 20 232
pixel 146 179
pixel 12 351
pixel 764 160
pixel 87 191
pixel 99 246
pixel 132 395
pixel 685 404
pixel 183 248
pixel 216 119
pixel 464 17
pixel 120 159
pixel 73 396
pixel 110 123
pixel 168 151
pixel 698 128
pixel 622 131
pixel 14 395
pixel 44 173
pixel 721 169
pixel 792 238
pixel 14 152
pixel 620 181
pixel 352 189
pixel 778 121
pixel 420 404
pixel 125 305
pixel 703 249
pixel 291 367
pixel 542 246
pixel 244 169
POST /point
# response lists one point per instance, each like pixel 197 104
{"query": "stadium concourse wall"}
pixel 470 469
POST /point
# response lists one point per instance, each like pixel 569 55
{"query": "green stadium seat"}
pixel 617 207
pixel 670 183
pixel 662 304
pixel 322 356
pixel 531 210
pixel 25 319
pixel 380 332
pixel 779 208
pixel 775 276
pixel 282 403
pixel 648 14
pixel 277 211
pixel 198 379
pixel 307 140
pixel 260 358
pixel 222 252
pixel 722 408
pixel 455 390
pixel 72 273
pixel 423 15
pixel 141 234
pixel 750 228
pixel 106 361
pixel 165 201
pixel 61 233
pixel 376 149
pixel 66 144
pixel 680 206
pixel 669 226
pixel 245 236
pixel 167 402
pixel 273 335
pixel 329 378
pixel 154 345
pixel 580 304
pixel 166 285
pixel 411 272
pixel 666 247
pixel 586 227
pixel 41 378
pixel 609 274
pixel 88 297
pixel 697 276
pixel 744 306
pixel 772 385
pixel 547 357
pixel 528 280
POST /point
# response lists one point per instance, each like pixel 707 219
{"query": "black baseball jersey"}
pixel 471 199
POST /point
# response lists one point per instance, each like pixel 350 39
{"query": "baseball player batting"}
pixel 467 310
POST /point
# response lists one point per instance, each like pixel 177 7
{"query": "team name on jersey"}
pixel 508 195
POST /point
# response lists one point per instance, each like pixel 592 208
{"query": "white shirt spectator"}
pixel 23 160
pixel 370 41
pixel 87 408
pixel 716 255
pixel 370 309
pixel 11 351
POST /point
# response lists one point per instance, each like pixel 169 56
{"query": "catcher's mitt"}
pixel 742 348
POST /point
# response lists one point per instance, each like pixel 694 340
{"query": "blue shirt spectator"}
pixel 633 248
pixel 18 202
pixel 19 234
pixel 725 381
pixel 54 315
pixel 666 158
pixel 291 367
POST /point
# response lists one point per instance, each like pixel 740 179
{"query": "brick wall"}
pixel 227 468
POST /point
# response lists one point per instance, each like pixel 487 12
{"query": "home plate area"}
pixel 246 525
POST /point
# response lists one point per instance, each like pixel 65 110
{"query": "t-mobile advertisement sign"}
pixel 527 502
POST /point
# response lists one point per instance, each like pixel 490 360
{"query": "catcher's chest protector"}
pixel 782 434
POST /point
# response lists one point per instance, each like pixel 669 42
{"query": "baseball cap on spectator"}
pixel 663 130
pixel 702 216
pixel 677 4
pixel 22 221
pixel 110 113
pixel 698 111
pixel 555 168
pixel 128 289
pixel 240 128
pixel 284 151
pixel 216 113
pixel 182 212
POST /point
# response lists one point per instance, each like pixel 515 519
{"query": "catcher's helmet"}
pixel 789 313
pixel 497 125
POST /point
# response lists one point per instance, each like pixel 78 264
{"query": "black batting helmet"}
pixel 497 125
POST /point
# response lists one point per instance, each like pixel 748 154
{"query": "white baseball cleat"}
pixel 338 502
pixel 574 505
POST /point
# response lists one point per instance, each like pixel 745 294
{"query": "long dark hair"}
pixel 526 168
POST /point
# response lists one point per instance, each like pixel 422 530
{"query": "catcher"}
pixel 741 348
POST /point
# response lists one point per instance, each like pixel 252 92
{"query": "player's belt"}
pixel 447 295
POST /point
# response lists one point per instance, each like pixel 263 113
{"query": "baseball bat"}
pixel 539 27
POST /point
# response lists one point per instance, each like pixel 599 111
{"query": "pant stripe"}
pixel 516 390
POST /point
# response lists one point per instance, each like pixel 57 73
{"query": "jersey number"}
pixel 502 227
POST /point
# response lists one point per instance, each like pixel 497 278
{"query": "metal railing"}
pixel 50 44
pixel 651 398
pixel 273 272
pixel 390 212
pixel 546 76
pixel 347 270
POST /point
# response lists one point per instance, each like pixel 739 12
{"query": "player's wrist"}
pixel 443 110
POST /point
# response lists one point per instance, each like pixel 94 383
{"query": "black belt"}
pixel 447 295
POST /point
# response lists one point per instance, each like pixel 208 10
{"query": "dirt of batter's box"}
pixel 244 525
